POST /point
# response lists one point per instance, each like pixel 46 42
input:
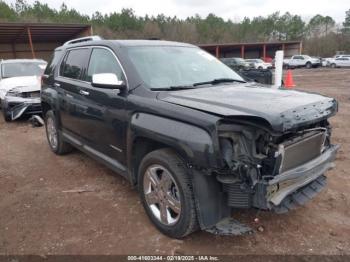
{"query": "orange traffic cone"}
pixel 288 81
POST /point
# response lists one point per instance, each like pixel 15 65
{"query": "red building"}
pixel 253 50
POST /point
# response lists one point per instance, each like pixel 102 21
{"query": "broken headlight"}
pixel 14 92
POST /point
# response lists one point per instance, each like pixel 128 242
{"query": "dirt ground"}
pixel 39 216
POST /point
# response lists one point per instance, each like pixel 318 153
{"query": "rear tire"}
pixel 54 136
pixel 165 187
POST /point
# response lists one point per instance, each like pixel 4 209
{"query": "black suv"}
pixel 194 137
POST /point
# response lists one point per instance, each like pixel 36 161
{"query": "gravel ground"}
pixel 40 215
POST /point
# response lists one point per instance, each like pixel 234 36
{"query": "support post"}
pixel 217 51
pixel 301 48
pixel 30 42
pixel 13 45
pixel 242 51
pixel 88 31
pixel 264 52
pixel 283 47
pixel 278 68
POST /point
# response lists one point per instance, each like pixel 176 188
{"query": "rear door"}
pixel 347 61
pixel 343 62
pixel 299 61
pixel 69 83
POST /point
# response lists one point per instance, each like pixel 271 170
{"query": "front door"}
pixel 104 119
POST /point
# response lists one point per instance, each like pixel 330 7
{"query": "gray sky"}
pixel 228 9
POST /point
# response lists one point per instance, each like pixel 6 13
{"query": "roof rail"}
pixel 83 39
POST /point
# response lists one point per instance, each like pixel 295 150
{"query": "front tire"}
pixel 308 65
pixel 333 65
pixel 54 137
pixel 166 193
pixel 6 115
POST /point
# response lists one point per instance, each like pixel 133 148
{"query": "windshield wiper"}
pixel 173 88
pixel 212 82
pixel 219 81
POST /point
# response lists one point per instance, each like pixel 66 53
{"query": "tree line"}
pixel 321 35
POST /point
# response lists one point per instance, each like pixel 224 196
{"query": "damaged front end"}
pixel 18 102
pixel 273 171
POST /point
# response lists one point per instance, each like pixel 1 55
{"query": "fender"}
pixel 195 144
pixel 50 96
pixel 192 142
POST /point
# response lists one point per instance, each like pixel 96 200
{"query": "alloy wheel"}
pixel 162 194
pixel 51 132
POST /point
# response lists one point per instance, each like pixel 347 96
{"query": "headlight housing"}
pixel 14 92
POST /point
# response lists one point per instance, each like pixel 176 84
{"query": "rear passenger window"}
pixel 74 63
pixel 103 61
pixel 53 62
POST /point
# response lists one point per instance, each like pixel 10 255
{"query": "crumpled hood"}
pixel 282 109
pixel 23 83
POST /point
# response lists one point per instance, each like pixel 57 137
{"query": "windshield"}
pixel 169 66
pixel 22 69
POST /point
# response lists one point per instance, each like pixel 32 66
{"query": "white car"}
pixel 328 61
pixel 259 64
pixel 20 83
pixel 302 61
pixel 340 62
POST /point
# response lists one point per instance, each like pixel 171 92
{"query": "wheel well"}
pixel 140 148
pixel 45 107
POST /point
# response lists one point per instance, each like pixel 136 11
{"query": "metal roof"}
pixel 250 44
pixel 40 32
pixel 10 61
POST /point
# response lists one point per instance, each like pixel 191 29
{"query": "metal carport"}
pixel 253 49
pixel 37 40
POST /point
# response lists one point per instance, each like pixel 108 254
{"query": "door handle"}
pixel 57 84
pixel 84 93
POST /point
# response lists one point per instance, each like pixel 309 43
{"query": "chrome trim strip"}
pixel 116 148
pixel 100 155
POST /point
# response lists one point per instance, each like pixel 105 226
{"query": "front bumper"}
pixel 278 192
pixel 297 178
pixel 18 106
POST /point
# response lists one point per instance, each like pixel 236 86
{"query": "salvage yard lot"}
pixel 74 205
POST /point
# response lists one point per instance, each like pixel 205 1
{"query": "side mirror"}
pixel 107 80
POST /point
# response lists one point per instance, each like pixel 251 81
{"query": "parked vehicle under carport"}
pixel 20 101
pixel 20 83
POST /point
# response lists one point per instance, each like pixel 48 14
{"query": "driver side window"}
pixel 103 61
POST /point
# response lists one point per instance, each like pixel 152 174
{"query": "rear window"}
pixel 53 62
pixel 74 63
